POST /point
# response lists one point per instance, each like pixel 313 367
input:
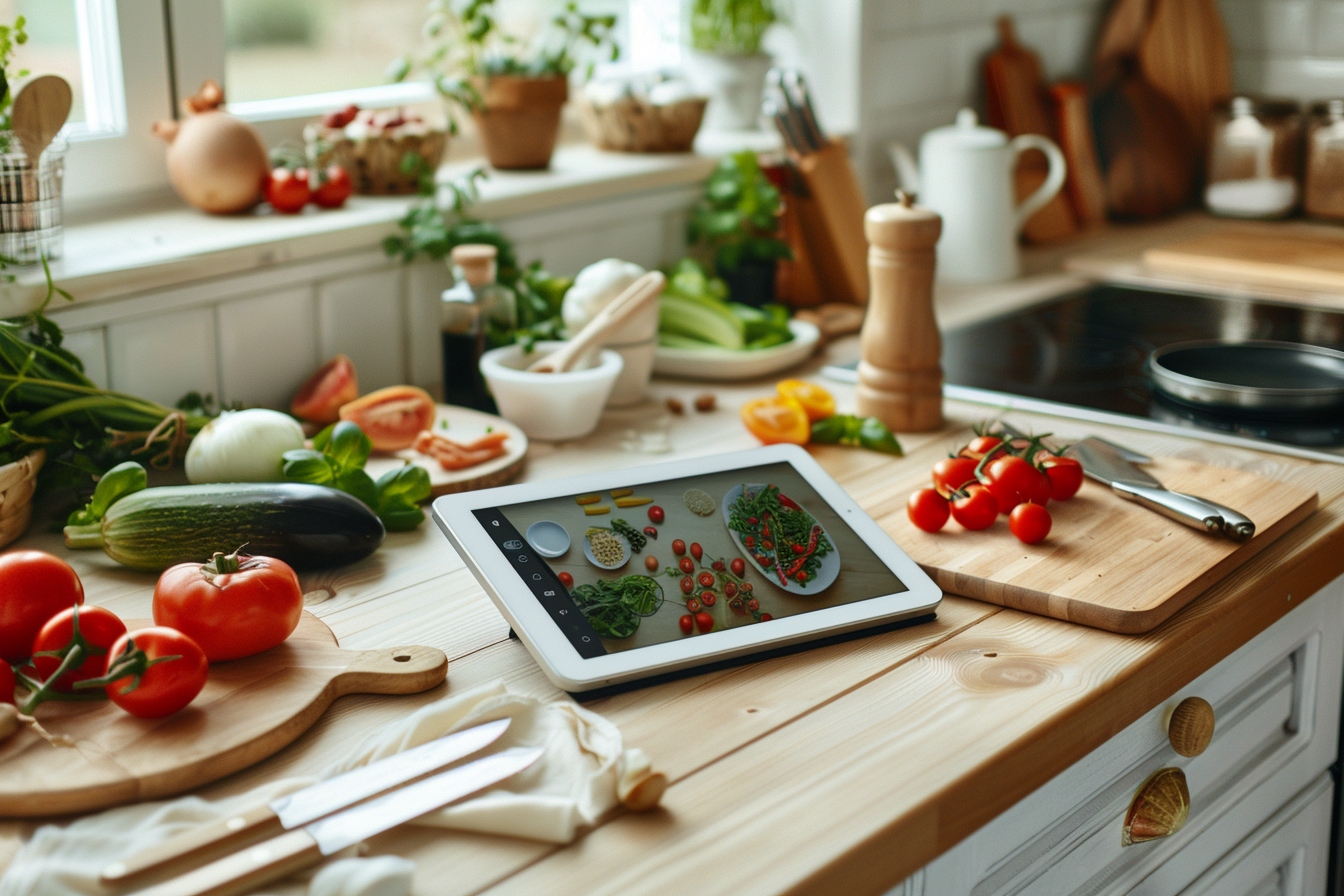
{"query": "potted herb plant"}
pixel 513 89
pixel 726 61
pixel 737 220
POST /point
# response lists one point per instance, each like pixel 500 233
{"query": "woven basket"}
pixel 632 124
pixel 17 481
pixel 374 165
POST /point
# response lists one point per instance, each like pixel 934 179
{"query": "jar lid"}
pixel 967 133
pixel 477 261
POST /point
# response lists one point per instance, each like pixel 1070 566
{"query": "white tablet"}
pixel 618 576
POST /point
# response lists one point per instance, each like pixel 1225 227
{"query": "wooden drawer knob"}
pixel 1191 727
pixel 1159 809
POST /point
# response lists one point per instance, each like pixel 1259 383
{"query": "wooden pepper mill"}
pixel 900 379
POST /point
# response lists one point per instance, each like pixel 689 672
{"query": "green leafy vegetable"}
pixel 784 540
pixel 614 608
pixel 337 460
pixel 693 312
pixel 121 480
pixel 863 432
pixel 737 217
pixel 731 26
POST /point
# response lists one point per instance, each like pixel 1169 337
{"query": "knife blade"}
pixel 311 803
pixel 295 850
pixel 1103 462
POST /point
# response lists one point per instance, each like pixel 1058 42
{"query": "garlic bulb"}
pixel 242 446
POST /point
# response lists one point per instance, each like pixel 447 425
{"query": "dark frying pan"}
pixel 1255 376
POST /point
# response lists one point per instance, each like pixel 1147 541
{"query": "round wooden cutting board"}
pixel 249 709
pixel 464 425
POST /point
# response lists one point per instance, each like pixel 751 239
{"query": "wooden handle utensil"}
pixel 645 289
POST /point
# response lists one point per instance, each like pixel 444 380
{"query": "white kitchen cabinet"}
pixel 363 316
pixel 164 356
pixel 267 347
pixel 90 346
pixel 1254 792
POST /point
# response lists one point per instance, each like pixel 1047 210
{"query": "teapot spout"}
pixel 907 171
pixel 165 129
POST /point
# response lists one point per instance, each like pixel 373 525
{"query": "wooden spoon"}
pixel 644 289
pixel 40 111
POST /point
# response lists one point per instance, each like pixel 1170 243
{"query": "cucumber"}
pixel 307 526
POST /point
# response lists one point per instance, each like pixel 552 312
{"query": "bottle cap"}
pixel 477 261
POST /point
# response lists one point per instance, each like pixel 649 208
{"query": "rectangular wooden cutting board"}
pixel 1107 563
pixel 1302 256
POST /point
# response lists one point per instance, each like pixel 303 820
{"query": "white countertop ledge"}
pixel 170 244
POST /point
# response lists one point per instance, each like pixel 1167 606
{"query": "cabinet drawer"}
pixel 1276 701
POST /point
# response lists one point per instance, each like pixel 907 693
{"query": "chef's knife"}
pixel 1103 462
pixel 298 849
pixel 796 86
pixel 311 803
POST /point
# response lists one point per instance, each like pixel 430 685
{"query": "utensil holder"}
pixel 31 221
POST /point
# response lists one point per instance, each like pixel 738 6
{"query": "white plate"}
pixel 726 364
pixel 826 573
pixel 464 425
pixel 548 538
pixel 625 555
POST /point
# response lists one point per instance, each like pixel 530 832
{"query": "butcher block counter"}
pixel 841 769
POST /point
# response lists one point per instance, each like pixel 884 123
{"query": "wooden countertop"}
pixel 840 769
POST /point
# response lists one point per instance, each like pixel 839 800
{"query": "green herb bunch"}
pixel 737 218
pixel 731 26
pixel 11 36
pixel 465 41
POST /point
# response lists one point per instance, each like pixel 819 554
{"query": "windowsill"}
pixel 167 244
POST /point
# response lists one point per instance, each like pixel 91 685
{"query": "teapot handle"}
pixel 1054 180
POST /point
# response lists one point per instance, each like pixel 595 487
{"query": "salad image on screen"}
pixel 654 562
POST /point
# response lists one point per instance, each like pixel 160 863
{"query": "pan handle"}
pixel 1184 509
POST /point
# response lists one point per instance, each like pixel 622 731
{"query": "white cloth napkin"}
pixel 571 786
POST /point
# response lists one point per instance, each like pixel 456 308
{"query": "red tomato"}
pixel 718 565
pixel 980 446
pixel 651 563
pixel 7 683
pixel 704 622
pixel 687 584
pixel 99 628
pixel 392 417
pixel 655 514
pixel 165 687
pixel 706 579
pixel 927 509
pixel 1013 480
pixel 334 188
pixel 753 604
pixel 708 598
pixel 566 579
pixel 1065 475
pixel 287 191
pixel 951 473
pixel 233 606
pixel 696 551
pixel 687 565
pixel 34 586
pixel 1030 523
pixel 729 589
pixel 738 566
pixel 341 117
pixel 766 617
pixel 693 605
pixel 686 622
pixel 678 547
pixel 651 532
pixel 977 510
pixel 1039 493
pixel 319 400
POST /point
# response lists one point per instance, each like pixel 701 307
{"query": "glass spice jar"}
pixel 1324 195
pixel 1255 149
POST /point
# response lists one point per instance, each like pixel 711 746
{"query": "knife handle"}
pixel 244 871
pixel 254 822
pixel 1236 526
pixel 1190 511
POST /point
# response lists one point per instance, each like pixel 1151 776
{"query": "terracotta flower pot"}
pixel 520 119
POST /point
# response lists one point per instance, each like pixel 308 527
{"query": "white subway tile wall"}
pixel 1292 48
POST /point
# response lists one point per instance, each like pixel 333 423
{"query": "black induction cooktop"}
pixel 1087 349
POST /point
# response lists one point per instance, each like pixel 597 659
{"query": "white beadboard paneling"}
pixel 90 346
pixel 425 281
pixel 1330 28
pixel 267 347
pixel 363 316
pixel 164 357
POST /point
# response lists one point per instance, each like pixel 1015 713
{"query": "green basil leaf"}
pixel 874 435
pixel 116 483
pixel 401 517
pixel 359 484
pixel 348 447
pixel 323 438
pixel 304 465
pixel 409 483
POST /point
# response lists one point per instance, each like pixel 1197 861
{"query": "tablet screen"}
pixel 652 562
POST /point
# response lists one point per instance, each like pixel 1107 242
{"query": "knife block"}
pixel 830 214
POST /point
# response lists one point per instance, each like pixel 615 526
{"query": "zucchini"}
pixel 307 526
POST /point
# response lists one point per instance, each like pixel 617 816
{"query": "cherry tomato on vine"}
pixel 166 685
pixel 738 566
pixel 704 622
pixel 687 565
pixel 687 584
pixel 687 623
pixel 693 605
pixel 706 579
pixel 977 510
pixel 708 598
pixel 696 551
pixel 233 606
pixel 287 191
pixel 678 547
pixel 1065 475
pixel 655 514
pixel 951 473
pixel 1030 523
pixel 333 189
pixel 766 617
pixel 729 589
pixel 927 509
pixel 99 629
pixel 566 579
pixel 1013 480
pixel 979 446
pixel 34 586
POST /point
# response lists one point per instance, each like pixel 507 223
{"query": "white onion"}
pixel 242 446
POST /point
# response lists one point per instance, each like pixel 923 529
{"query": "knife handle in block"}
pixel 246 870
pixel 1184 509
pixel 255 822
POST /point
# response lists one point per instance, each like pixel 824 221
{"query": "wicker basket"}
pixel 17 481
pixel 374 165
pixel 633 124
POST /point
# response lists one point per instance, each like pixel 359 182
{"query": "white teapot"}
pixel 965 174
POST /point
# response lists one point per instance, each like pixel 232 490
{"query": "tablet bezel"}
pixel 563 664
